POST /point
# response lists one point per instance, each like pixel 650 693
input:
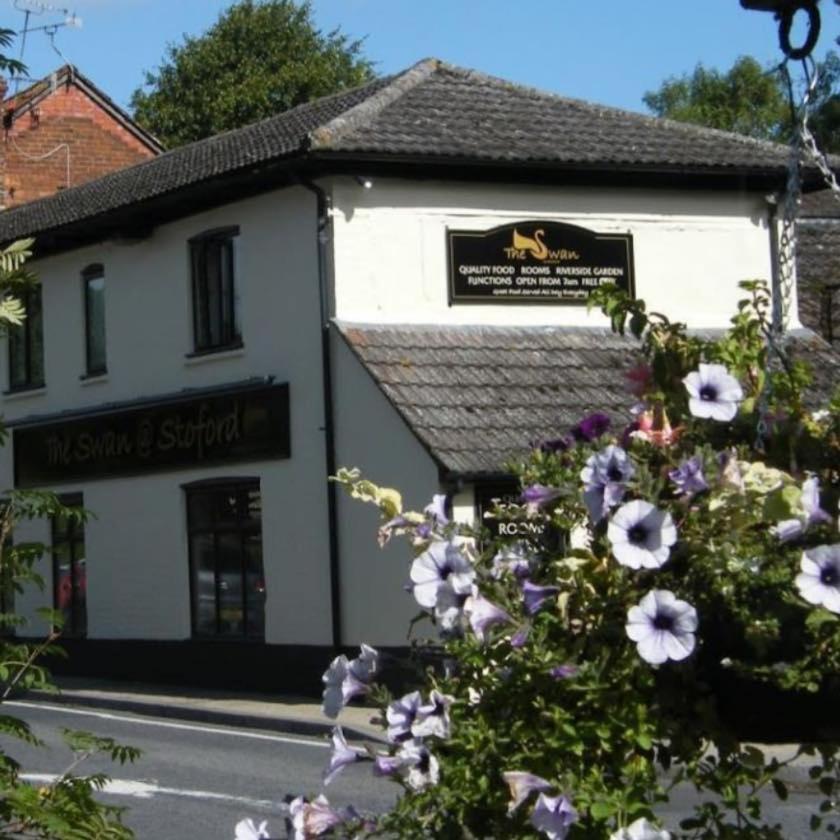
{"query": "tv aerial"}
pixel 30 8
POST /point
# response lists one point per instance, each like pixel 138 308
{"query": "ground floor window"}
pixel 69 569
pixel 224 520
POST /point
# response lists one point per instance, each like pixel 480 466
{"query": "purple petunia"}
pixel 432 719
pixel 535 596
pixel 483 614
pixel 344 679
pixel 340 757
pixel 312 819
pixel 400 715
pixel 591 427
pixel 564 672
pixel 713 393
pixel 553 816
pixel 813 514
pixel 522 785
pixel 537 495
pixel 689 477
pixel 605 478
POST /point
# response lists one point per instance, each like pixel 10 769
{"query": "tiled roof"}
pixel 477 397
pixel 432 112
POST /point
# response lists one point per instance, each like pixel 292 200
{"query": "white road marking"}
pixel 148 790
pixel 189 727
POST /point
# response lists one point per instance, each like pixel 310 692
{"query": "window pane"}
pixel 254 585
pixel 95 305
pixel 226 556
pixel 204 584
pixel 231 607
pixel 215 313
pixel 36 337
pixel 26 344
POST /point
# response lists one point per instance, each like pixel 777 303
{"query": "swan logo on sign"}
pixel 537 262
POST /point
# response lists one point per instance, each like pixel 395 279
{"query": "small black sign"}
pixel 168 434
pixel 537 262
pixel 535 531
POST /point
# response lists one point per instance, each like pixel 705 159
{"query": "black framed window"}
pixel 70 569
pixel 93 280
pixel 224 521
pixel 26 344
pixel 214 296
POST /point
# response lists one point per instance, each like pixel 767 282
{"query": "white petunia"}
pixel 249 830
pixel 662 626
pixel 641 830
pixel 641 535
pixel 819 581
pixel 713 393
pixel 442 564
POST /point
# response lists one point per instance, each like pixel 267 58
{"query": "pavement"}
pixel 291 715
pixel 240 709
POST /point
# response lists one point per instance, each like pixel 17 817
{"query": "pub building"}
pixel 393 278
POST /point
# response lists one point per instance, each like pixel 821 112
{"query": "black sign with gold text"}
pixel 536 262
pixel 168 434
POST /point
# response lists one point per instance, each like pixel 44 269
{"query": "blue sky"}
pixel 607 51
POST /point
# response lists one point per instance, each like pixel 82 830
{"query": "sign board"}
pixel 188 431
pixel 487 494
pixel 537 262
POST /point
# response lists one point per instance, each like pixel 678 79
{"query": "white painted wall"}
pixel 370 435
pixel 691 248
pixel 136 548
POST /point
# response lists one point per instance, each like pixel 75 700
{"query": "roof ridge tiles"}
pixel 326 135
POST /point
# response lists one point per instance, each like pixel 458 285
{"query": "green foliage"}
pixel 561 691
pixel 260 58
pixel 749 99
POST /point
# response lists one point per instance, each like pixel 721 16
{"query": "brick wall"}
pixel 78 137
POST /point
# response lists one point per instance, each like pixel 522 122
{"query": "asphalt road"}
pixel 195 781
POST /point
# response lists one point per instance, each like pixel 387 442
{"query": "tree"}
pixel 749 99
pixel 261 57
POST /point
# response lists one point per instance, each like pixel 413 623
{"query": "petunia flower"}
pixel 432 718
pixel 511 559
pixel 537 495
pixel 442 565
pixel 249 830
pixel 662 626
pixel 449 610
pixel 419 766
pixel 400 715
pixel 340 757
pixel 559 444
pixel 604 478
pixel 564 672
pixel 436 510
pixel 819 581
pixel 312 819
pixel 641 829
pixel 641 535
pixel 591 427
pixel 344 679
pixel 483 614
pixel 535 596
pixel 812 513
pixel 520 638
pixel 689 477
pixel 713 393
pixel 522 785
pixel 553 816
pixel 386 765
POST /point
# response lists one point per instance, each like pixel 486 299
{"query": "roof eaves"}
pixel 323 137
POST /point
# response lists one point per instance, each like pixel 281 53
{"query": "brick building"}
pixel 63 131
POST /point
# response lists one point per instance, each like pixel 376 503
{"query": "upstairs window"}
pixel 93 279
pixel 214 298
pixel 26 344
